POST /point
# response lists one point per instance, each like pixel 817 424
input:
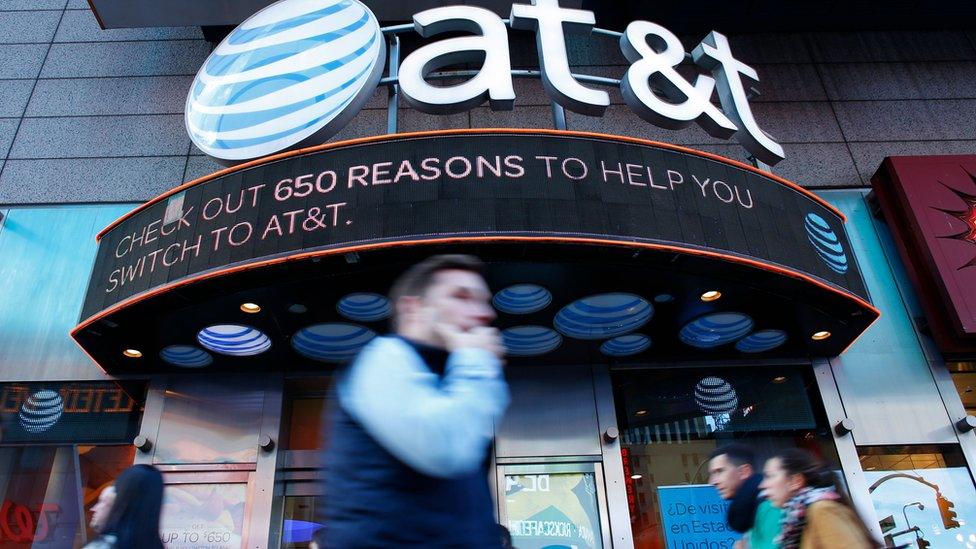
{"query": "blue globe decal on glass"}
pixel 234 340
pixel 292 74
pixel 825 241
pixel 626 345
pixel 185 356
pixel 522 299
pixel 763 340
pixel 331 342
pixel 604 315
pixel 530 340
pixel 364 307
pixel 715 329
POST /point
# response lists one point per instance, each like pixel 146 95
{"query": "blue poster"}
pixel 693 517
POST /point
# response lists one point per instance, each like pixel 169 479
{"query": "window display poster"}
pixel 553 511
pixel 934 505
pixel 203 516
pixel 693 515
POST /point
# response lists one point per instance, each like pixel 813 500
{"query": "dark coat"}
pixel 742 510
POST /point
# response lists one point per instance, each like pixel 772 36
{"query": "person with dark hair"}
pixel 407 448
pixel 127 513
pixel 506 537
pixel 818 514
pixel 732 473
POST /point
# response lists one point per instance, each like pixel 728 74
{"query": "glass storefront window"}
pixel 303 421
pixel 299 521
pixel 305 404
pixel 553 505
pixel 210 421
pixel 209 515
pixel 48 491
pixel 670 421
pixel 921 493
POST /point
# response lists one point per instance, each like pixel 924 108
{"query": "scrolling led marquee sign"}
pixel 296 72
pixel 471 184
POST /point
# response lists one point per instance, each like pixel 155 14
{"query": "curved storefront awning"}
pixel 599 247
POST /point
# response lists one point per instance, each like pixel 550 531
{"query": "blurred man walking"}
pixel 407 455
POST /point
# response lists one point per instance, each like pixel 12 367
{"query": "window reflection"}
pixel 48 491
pixel 921 493
pixel 670 422
pixel 210 421
pixel 964 376
pixel 299 522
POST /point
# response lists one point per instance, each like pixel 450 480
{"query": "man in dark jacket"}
pixel 732 473
pixel 406 460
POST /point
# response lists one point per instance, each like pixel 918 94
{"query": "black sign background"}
pixel 82 412
pixel 471 184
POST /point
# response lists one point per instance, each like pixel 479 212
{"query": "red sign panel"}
pixel 930 204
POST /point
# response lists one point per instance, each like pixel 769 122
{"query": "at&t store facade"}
pixel 656 299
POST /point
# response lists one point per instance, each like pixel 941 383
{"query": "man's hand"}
pixel 483 337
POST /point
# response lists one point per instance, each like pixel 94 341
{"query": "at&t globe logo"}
pixel 41 411
pixel 294 73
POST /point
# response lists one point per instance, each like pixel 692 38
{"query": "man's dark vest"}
pixel 372 499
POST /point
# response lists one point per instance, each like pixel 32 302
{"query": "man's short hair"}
pixel 415 280
pixel 737 454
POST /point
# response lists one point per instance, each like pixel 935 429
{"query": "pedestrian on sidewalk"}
pixel 126 515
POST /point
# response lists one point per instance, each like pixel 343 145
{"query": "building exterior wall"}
pixel 96 116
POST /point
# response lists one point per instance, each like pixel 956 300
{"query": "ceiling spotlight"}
pixel 297 308
pixel 779 379
pixel 711 295
pixel 636 477
pixel 639 413
pixel 820 336
pixel 250 308
pixel 132 353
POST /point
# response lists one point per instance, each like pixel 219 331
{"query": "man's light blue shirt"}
pixel 440 426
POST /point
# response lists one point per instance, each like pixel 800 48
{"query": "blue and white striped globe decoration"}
pixel 604 315
pixel 530 340
pixel 331 342
pixel 41 411
pixel 760 341
pixel 234 340
pixel 364 307
pixel 185 356
pixel 825 241
pixel 293 73
pixel 715 329
pixel 522 299
pixel 626 345
pixel 714 395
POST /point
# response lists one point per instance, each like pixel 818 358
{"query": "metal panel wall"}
pixel 46 256
pixel 884 380
pixel 553 413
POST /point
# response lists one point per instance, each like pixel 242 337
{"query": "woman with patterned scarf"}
pixel 818 515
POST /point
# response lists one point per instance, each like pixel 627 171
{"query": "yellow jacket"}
pixel 833 525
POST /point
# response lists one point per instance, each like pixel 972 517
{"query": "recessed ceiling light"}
pixel 132 353
pixel 250 308
pixel 711 295
pixel 640 413
pixel 779 379
pixel 297 308
pixel 820 336
pixel 636 477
